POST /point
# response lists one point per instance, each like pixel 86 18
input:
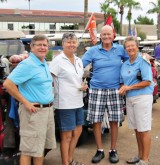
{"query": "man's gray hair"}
pixel 39 37
pixel 69 35
pixel 131 38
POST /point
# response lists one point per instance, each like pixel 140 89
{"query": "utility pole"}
pixel 85 12
pixel 29 2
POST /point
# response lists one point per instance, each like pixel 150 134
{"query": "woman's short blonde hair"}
pixel 131 38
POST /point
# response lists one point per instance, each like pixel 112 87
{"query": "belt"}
pixel 43 105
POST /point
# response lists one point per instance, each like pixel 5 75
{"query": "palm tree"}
pixel 132 4
pixel 156 9
pixel 107 10
pixel 121 5
pixel 85 12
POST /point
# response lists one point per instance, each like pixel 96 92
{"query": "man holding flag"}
pixel 104 86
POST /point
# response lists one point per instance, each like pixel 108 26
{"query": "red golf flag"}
pixel 91 26
pixel 109 21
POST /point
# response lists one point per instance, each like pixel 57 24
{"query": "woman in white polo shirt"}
pixel 67 70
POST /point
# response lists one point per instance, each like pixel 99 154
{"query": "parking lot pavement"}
pixel 126 145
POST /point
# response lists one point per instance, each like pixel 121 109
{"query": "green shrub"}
pixel 49 55
pixel 142 35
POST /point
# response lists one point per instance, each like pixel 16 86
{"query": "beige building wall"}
pixel 149 30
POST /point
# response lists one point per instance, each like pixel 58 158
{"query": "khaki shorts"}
pixel 37 131
pixel 139 112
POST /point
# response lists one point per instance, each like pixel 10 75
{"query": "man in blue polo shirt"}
pixel 106 60
pixel 35 96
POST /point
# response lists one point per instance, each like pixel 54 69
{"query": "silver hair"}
pixel 131 38
pixel 68 35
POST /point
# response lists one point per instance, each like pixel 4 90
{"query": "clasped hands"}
pixel 83 87
pixel 123 89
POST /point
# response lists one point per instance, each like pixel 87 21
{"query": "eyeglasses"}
pixel 40 45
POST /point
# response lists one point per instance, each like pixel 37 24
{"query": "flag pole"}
pixel 91 26
pixel 87 24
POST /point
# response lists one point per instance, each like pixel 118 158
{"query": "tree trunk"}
pixel 129 20
pixel 104 18
pixel 121 13
pixel 85 12
pixel 121 24
pixel 129 27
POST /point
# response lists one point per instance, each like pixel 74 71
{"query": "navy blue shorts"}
pixel 68 119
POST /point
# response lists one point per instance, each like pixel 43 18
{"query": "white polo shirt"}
pixel 67 82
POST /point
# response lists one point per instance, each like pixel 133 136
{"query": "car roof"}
pixel 11 34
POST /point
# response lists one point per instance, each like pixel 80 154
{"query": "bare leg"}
pixel 139 143
pixel 75 136
pixel 25 160
pixel 64 146
pixel 146 141
pixel 97 134
pixel 38 160
pixel 114 134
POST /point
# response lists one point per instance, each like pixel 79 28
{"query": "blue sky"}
pixel 71 5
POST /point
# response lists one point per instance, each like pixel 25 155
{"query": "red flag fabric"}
pixel 91 26
pixel 109 21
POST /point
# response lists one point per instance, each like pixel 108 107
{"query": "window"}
pixel 10 26
pixel 31 28
pixel 52 26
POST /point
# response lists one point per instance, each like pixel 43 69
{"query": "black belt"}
pixel 43 105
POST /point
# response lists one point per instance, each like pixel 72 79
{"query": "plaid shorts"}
pixel 105 99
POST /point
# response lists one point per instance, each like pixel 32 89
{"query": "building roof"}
pixel 18 15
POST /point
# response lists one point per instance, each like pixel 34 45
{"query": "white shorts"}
pixel 139 112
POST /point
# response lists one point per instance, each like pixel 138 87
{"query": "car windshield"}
pixel 11 47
